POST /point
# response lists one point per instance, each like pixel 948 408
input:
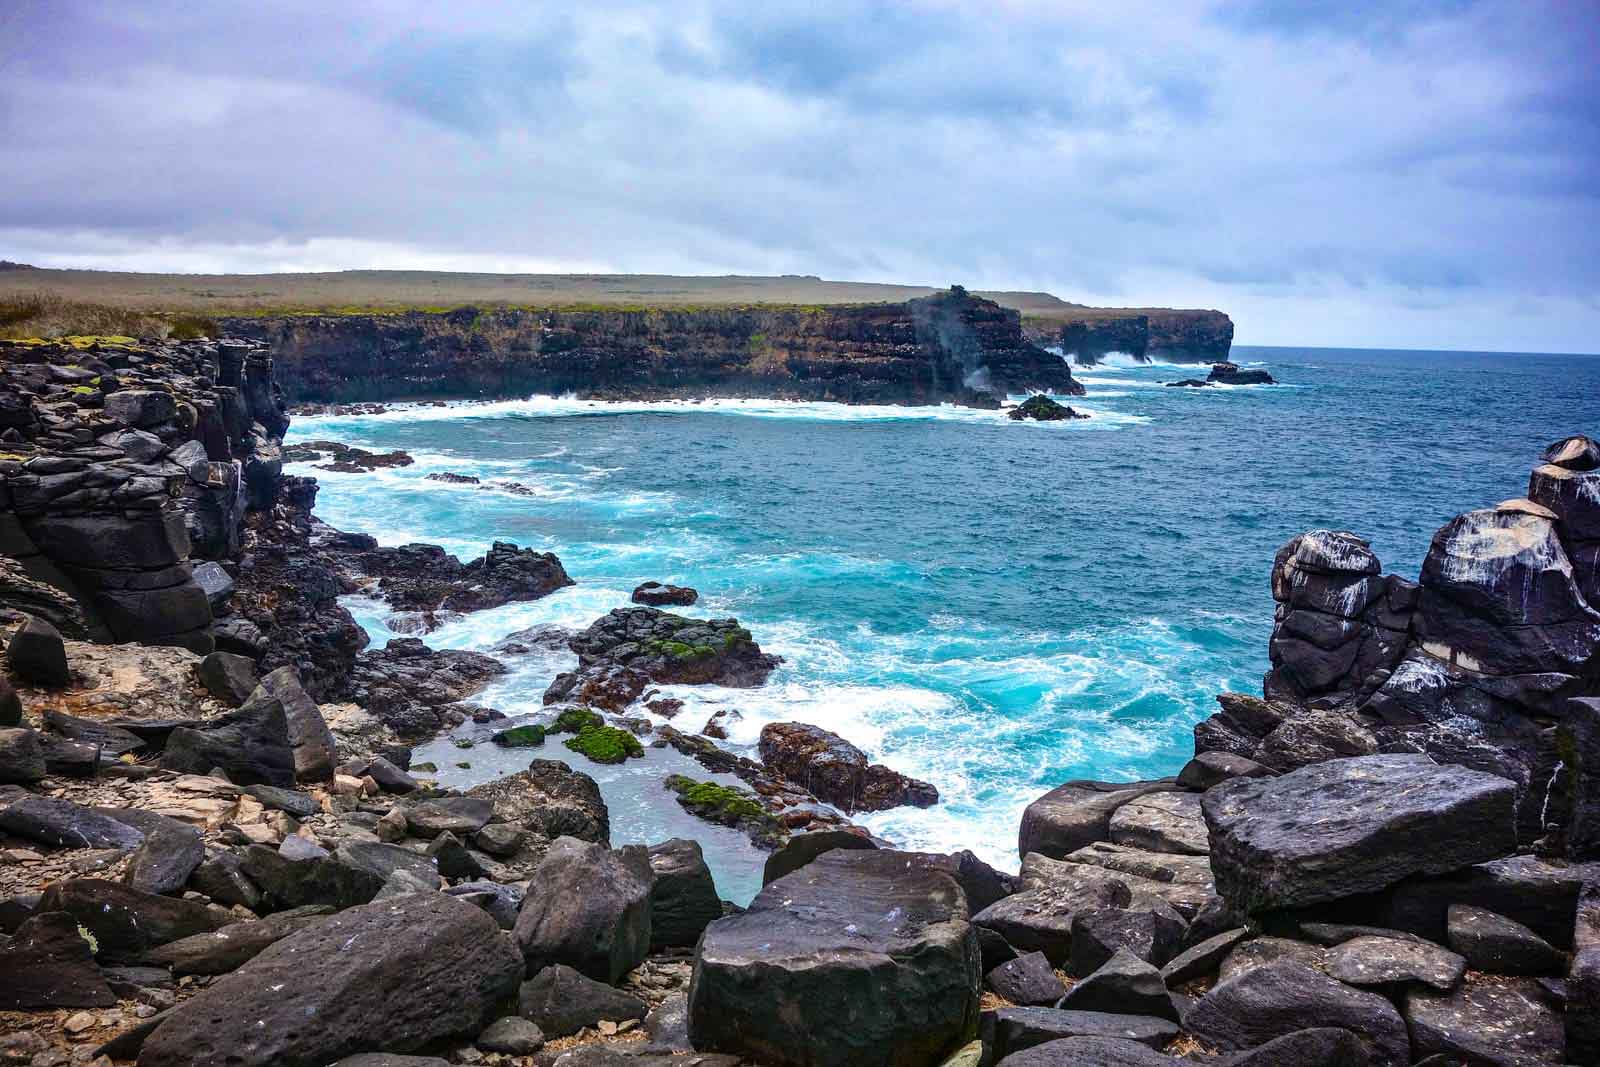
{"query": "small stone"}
pixel 78 1022
pixel 1028 981
pixel 513 1036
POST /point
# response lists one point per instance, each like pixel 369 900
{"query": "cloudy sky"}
pixel 1410 173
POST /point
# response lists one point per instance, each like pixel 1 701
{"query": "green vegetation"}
pixel 575 720
pixel 34 316
pixel 727 806
pixel 84 390
pixel 530 736
pixel 606 744
pixel 678 650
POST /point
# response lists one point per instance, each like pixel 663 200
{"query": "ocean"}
pixel 994 607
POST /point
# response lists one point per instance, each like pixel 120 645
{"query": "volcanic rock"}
pixel 1010 1030
pixel 37 655
pixel 857 958
pixel 1041 407
pixel 1026 981
pixel 1376 961
pixel 125 922
pixel 683 898
pixel 1487 1020
pixel 672 649
pixel 836 771
pixel 315 751
pixel 656 595
pixel 1076 814
pixel 229 678
pixel 1161 822
pixel 21 757
pixel 550 799
pixel 396 975
pixel 562 1001
pixel 590 911
pixel 63 824
pixel 251 745
pixel 1124 984
pixel 1499 945
pixel 48 964
pixel 1351 826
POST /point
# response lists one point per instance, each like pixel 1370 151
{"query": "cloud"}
pixel 1343 174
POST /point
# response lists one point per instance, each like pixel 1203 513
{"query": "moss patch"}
pixel 606 744
pixel 575 720
pixel 727 806
pixel 530 736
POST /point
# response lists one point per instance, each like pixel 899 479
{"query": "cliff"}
pixel 950 347
pixel 1088 334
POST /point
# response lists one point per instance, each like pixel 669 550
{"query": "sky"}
pixel 1411 173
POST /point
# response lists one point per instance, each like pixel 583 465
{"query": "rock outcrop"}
pixel 1088 335
pixel 837 771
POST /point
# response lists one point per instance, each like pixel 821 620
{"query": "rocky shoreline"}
pixel 1392 856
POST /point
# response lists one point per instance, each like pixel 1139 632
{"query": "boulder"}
pixel 1305 1048
pixel 300 805
pixel 1125 985
pixel 232 946
pixel 511 1036
pixel 1578 738
pixel 860 957
pixel 251 745
pixel 1161 822
pixel 1351 826
pixel 590 910
pixel 501 901
pixel 1539 894
pixel 315 751
pixel 48 964
pixel 801 849
pixel 1583 981
pixel 451 859
pixel 1209 768
pixel 1260 951
pixel 63 824
pixel 1281 998
pixel 125 922
pixel 1076 814
pixel 112 739
pixel 1151 933
pixel 1009 1030
pixel 550 799
pixel 288 879
pixel 1027 981
pixel 228 677
pixel 1202 958
pixel 1233 374
pixel 668 1023
pixel 562 1001
pixel 1380 961
pixel 1499 945
pixel 10 705
pixel 396 976
pixel 683 898
pixel 462 816
pixel 37 655
pixel 1489 1020
pixel 140 408
pixel 21 757
pixel 1314 736
pixel 216 583
pixel 1039 919
pixel 837 772
pixel 657 595
pixel 166 858
pixel 221 877
pixel 674 650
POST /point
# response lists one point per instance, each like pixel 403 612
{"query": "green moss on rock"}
pixel 606 744
pixel 575 720
pixel 529 736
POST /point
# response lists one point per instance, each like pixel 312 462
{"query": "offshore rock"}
pixel 425 578
pixel 1233 374
pixel 1351 826
pixel 836 771
pixel 858 958
pixel 1043 409
pixel 656 595
pixel 673 649
pixel 395 975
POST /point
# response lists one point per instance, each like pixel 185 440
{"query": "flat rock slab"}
pixel 395 975
pixel 1161 822
pixel 1488 1019
pixel 125 922
pixel 858 958
pixel 462 816
pixel 1367 960
pixel 1260 951
pixel 1011 1030
pixel 1500 945
pixel 1203 958
pixel 63 824
pixel 1089 1052
pixel 1281 998
pixel 1351 826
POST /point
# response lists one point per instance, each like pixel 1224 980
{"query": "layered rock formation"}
pixel 950 347
pixel 125 464
pixel 1088 335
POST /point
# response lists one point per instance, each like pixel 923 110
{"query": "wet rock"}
pixel 1499 945
pixel 657 595
pixel 1150 933
pixel 396 975
pixel 1076 814
pixel 48 964
pixel 801 849
pixel 37 655
pixel 1124 984
pixel 229 678
pixel 1488 1020
pixel 1351 826
pixel 63 824
pixel 1233 374
pixel 21 757
pixel 315 752
pixel 1282 998
pixel 1161 822
pixel 858 957
pixel 550 799
pixel 1027 981
pixel 251 745
pixel 591 910
pixel 125 922
pixel 562 1001
pixel 672 649
pixel 1202 958
pixel 1378 961
pixel 836 771
pixel 1009 1030
pixel 683 898
pixel 1040 407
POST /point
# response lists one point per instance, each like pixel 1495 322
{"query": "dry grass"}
pixel 45 314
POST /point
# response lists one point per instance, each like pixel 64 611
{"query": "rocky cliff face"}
pixel 1087 336
pixel 122 466
pixel 950 347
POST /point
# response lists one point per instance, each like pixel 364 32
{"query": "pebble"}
pixel 78 1023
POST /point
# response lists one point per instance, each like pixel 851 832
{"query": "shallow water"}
pixel 992 606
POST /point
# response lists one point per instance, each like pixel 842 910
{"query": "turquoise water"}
pixel 992 606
